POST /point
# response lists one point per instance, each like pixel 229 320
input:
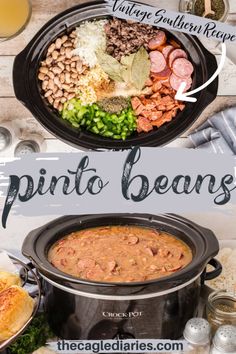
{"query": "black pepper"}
pixel 218 6
pixel 113 104
pixel 226 308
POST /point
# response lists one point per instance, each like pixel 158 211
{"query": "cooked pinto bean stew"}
pixel 120 254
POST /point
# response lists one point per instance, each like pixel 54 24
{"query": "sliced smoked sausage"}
pixel 175 82
pixel 167 50
pixel 158 40
pixel 158 62
pixel 175 54
pixel 162 75
pixel 182 67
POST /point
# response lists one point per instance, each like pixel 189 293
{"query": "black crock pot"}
pixel 27 87
pixel 81 309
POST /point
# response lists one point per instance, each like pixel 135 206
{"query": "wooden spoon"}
pixel 208 9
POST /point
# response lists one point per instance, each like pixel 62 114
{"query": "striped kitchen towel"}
pixel 217 134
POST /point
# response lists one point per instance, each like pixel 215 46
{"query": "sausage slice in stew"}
pixel 120 254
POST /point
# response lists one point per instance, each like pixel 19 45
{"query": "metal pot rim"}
pixel 119 297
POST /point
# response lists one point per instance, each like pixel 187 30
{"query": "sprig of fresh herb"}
pixel 34 337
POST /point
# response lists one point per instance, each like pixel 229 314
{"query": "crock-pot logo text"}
pixel 119 315
pixel 135 186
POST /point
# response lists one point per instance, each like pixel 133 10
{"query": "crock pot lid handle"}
pixel 28 249
pixel 19 71
pixel 30 279
pixel 214 273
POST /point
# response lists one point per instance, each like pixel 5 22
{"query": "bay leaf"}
pixel 140 69
pixel 110 65
pixel 127 62
pixel 126 74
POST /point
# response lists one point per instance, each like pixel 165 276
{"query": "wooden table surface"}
pixel 13 111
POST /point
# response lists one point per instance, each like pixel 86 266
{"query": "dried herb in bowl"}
pixel 218 6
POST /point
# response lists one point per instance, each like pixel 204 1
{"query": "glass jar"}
pixel 221 309
pixel 14 17
pixel 188 6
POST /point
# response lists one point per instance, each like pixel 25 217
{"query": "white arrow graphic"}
pixel 184 96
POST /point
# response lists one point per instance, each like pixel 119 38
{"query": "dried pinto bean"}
pixel 58 43
pixel 59 72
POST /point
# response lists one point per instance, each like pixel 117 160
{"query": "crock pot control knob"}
pixel 197 332
pixel 224 340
